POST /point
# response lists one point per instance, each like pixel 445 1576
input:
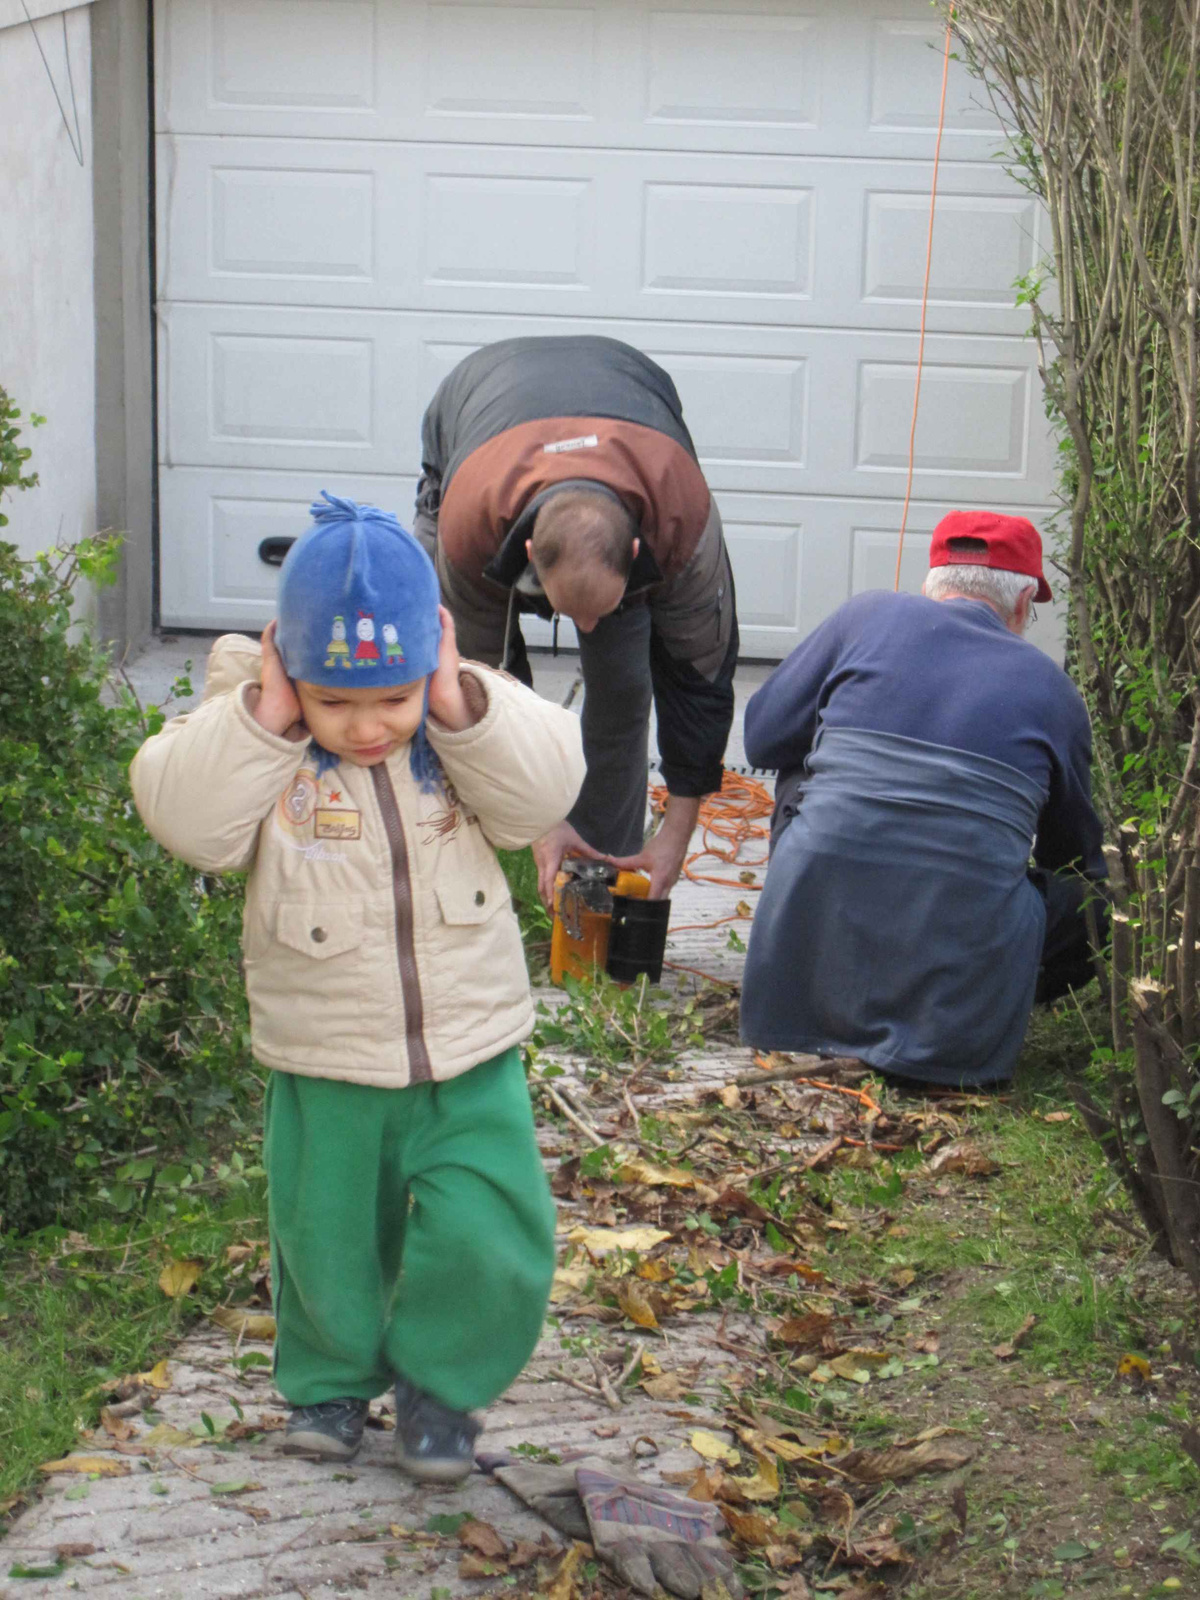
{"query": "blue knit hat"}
pixel 358 608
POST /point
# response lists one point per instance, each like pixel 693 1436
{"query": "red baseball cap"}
pixel 1010 544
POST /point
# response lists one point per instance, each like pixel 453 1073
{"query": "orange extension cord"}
pixel 912 432
pixel 738 813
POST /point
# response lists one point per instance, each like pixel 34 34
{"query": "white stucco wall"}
pixel 47 330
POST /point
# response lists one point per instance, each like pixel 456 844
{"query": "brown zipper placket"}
pixel 419 1069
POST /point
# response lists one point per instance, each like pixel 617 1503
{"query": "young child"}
pixel 412 1229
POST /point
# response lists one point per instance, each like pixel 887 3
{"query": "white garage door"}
pixel 353 194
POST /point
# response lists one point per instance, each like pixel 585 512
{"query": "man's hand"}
pixel 277 708
pixel 447 701
pixel 663 855
pixel 548 852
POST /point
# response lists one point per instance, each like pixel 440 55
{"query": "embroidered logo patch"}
pixel 298 802
pixel 334 823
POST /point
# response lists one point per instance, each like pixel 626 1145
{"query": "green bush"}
pixel 124 1046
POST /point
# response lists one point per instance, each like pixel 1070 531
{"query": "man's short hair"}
pixel 1002 589
pixel 586 528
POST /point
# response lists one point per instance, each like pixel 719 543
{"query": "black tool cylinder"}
pixel 638 938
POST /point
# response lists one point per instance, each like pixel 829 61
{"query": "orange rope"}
pixel 730 820
pixel 937 156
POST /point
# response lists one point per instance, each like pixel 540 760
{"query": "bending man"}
pixel 924 750
pixel 558 477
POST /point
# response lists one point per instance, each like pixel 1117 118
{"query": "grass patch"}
pixel 77 1309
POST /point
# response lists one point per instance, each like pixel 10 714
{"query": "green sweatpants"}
pixel 412 1234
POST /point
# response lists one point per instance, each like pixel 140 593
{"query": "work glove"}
pixel 647 1535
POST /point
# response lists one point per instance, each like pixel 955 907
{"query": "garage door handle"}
pixel 272 551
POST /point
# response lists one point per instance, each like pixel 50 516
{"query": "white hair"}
pixel 1001 589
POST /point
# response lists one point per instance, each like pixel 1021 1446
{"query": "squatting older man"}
pixel 934 835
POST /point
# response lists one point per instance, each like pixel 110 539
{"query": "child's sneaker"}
pixel 433 1443
pixel 333 1429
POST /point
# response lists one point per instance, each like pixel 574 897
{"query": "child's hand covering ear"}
pixel 277 708
pixel 447 702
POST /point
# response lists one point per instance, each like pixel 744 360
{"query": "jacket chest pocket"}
pixel 464 905
pixel 319 931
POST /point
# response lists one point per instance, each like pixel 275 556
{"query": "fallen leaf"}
pixel 965 1157
pixel 730 1097
pixel 607 1430
pixel 569 1281
pixel 793 1588
pixel 1057 1116
pixel 637 1170
pixel 159 1376
pixel 116 1426
pixel 524 1551
pixel 74 1552
pixel 166 1437
pixel 654 1271
pixel 858 1365
pixel 1131 1366
pixel 1006 1351
pixel 764 1485
pixel 834 1504
pixel 901 1462
pixel 806 1332
pixel 103 1466
pixel 473 1565
pixel 878 1550
pixel 178 1278
pixel 563 1585
pixel 239 1324
pixel 750 1527
pixel 670 1386
pixel 902 1276
pixel 958 1504
pixel 483 1539
pixel 927 1344
pixel 259 1513
pixel 234 1486
pixel 603 1241
pixel 713 1449
pixel 631 1298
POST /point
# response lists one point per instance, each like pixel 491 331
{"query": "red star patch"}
pixel 334 796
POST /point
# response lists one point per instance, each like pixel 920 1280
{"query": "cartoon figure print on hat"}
pixel 393 653
pixel 338 649
pixel 366 651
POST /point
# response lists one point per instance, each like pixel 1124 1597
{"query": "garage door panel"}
pixel 215 523
pixel 519 62
pixel 610 233
pixel 973 419
pixel 722 67
pixel 827 413
pixel 498 232
pixel 819 78
pixel 317 55
pixel 745 409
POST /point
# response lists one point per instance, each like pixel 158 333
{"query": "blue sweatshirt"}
pixel 947 673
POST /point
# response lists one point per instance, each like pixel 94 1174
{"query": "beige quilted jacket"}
pixel 380 942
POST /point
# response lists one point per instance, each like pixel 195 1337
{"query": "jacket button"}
pixel 480 897
pixel 319 936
